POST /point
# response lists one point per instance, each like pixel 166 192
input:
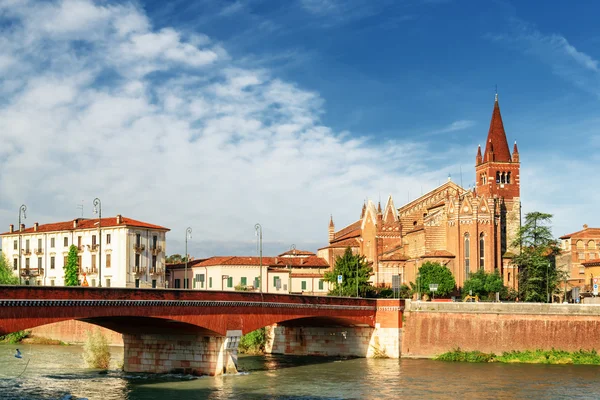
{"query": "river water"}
pixel 58 372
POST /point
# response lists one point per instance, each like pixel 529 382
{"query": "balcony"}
pixel 38 252
pixel 156 271
pixel 139 247
pixel 26 252
pixel 93 247
pixel 139 271
pixel 91 271
pixel 156 250
pixel 29 272
pixel 80 249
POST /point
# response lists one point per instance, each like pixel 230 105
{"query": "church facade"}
pixel 460 228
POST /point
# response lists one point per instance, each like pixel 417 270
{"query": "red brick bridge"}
pixel 198 331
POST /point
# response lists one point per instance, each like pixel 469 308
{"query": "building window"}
pixel 137 260
pixel 39 262
pixel 79 242
pixel 186 283
pixel 153 283
pixel 51 282
pixel 275 279
pixel 66 242
pixel 320 284
pixel 93 240
pixel 93 283
pixel 39 244
pixel 94 262
pixel 177 283
pixel 27 263
pixel 481 250
pixel 15 264
pixel 202 280
pixel 256 282
pixel 508 177
pixel 244 281
pixel 303 285
pixel 137 283
pixel 497 176
pixel 210 282
pixel 107 282
pixel 581 256
pixel 230 282
pixel 52 262
pixel 108 239
pixel 52 242
pixel 154 241
pixel 16 245
pixel 138 239
pixel 591 245
pixel 467 246
pixel 108 261
pixel 580 245
pixel 154 262
pixel 27 245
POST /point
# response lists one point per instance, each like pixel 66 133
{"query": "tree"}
pixel 175 259
pixel 483 284
pixel 538 276
pixel 6 275
pixel 72 267
pixel 354 269
pixel 435 273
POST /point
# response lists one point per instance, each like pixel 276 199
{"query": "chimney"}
pixel 119 219
pixel 276 260
pixel 585 226
pixel 301 261
pixel 22 227
pixel 75 223
pixel 11 228
pixel 35 227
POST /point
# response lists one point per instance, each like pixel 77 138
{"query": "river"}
pixel 58 372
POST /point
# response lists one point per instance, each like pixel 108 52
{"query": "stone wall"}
pixel 431 329
pixel 75 332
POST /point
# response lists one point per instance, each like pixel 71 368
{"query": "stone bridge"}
pixel 198 331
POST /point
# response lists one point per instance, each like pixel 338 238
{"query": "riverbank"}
pixel 581 357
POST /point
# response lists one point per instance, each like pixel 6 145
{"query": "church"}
pixel 460 228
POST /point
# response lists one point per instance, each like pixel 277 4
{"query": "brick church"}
pixel 460 228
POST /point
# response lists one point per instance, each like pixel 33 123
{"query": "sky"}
pixel 220 114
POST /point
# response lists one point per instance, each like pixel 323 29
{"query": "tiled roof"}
pixel 349 231
pixel 351 242
pixel 190 263
pixel 592 232
pixel 297 253
pixel 307 275
pixel 438 253
pixel 305 262
pixel 590 263
pixel 496 139
pixel 83 223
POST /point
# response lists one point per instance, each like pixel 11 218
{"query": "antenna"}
pixel 80 207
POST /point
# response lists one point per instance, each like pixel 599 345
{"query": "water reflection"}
pixel 55 372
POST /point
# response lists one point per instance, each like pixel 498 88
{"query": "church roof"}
pixel 351 230
pixel 496 140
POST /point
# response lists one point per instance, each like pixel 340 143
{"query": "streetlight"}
pixel 23 212
pixel 188 235
pixel 98 210
pixel 258 229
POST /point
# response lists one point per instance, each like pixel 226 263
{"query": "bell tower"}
pixel 497 176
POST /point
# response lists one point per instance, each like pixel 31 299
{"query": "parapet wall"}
pixel 431 329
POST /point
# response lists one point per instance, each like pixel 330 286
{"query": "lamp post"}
pixel 98 210
pixel 188 235
pixel 258 229
pixel 22 212
pixel 547 292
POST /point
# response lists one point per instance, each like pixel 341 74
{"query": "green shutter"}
pixel 230 281
pixel 320 284
pixel 256 282
pixel 210 282
pixel 275 281
pixel 244 281
pixel 303 285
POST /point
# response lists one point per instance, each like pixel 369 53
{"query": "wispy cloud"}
pixel 233 8
pixel 168 127
pixel 557 52
pixel 453 127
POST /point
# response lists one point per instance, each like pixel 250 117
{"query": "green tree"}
pixel 435 273
pixel 354 269
pixel 6 275
pixel 175 259
pixel 537 267
pixel 72 267
pixel 483 284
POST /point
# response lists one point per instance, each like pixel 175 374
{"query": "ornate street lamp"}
pixel 188 235
pixel 258 229
pixel 22 212
pixel 98 210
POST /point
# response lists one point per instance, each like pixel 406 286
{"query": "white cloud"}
pixel 208 143
pixel 453 127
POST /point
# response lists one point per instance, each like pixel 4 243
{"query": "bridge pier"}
pixel 174 353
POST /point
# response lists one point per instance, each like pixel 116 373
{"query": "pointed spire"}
pixel 331 225
pixel 515 149
pixel 379 208
pixel 515 154
pixel 478 158
pixel 364 210
pixel 496 140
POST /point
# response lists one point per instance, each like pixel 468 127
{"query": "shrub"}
pixel 253 342
pixel 95 350
pixel 14 337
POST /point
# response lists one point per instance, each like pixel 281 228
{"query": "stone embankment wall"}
pixel 431 329
pixel 75 332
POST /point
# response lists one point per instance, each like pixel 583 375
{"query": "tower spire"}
pixel 496 141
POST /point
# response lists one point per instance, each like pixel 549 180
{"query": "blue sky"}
pixel 219 114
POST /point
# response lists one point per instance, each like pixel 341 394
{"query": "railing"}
pixel 80 249
pixel 32 272
pixel 39 252
pixel 93 247
pixel 139 270
pixel 139 247
pixel 156 271
pixel 91 271
pixel 26 252
pixel 156 250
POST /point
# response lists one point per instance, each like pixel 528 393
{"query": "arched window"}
pixel 497 176
pixel 481 250
pixel 508 177
pixel 467 245
pixel 591 245
pixel 580 245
